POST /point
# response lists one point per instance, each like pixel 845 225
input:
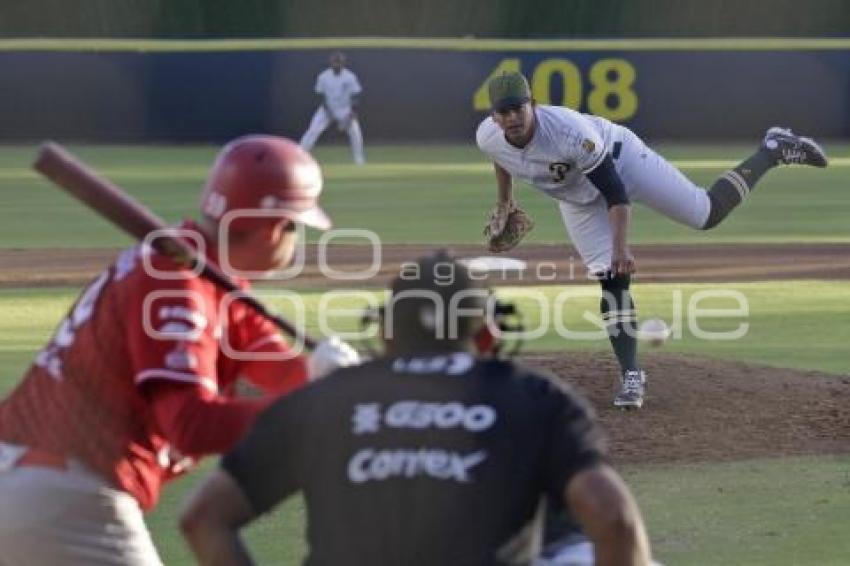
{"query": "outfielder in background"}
pixel 338 90
pixel 138 381
pixel 428 454
pixel 595 169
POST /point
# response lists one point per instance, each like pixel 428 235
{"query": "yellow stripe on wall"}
pixel 451 44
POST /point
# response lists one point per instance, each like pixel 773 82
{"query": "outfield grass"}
pixel 795 324
pixel 772 512
pixel 416 194
pixel 798 324
pixel 277 538
pixel 758 513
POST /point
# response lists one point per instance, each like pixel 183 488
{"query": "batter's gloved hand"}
pixel 506 227
pixel 330 354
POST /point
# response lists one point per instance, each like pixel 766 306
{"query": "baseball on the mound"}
pixel 654 331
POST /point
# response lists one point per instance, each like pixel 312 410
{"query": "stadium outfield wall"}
pixel 416 89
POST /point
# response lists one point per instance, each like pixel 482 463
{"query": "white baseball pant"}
pixel 320 122
pixel 576 553
pixel 650 180
pixel 69 517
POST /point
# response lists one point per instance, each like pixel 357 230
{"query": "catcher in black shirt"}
pixel 428 455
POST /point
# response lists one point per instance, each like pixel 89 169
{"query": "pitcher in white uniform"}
pixel 594 169
pixel 338 90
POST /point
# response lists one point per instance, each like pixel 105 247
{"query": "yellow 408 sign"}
pixel 611 94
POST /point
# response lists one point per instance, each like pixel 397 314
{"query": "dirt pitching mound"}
pixel 700 409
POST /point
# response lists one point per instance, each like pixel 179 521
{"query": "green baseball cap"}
pixel 510 89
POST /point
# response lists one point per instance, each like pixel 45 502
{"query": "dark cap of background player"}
pixel 434 306
pixel 508 90
pixel 337 60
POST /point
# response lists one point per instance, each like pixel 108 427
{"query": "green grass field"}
pixel 819 310
pixel 432 194
pixel 776 511
pixel 754 512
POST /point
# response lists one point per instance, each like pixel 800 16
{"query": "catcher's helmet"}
pixel 435 303
pixel 265 173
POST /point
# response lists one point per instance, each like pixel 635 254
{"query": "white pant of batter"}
pixel 70 517
pixel 650 180
pixel 320 122
pixel 577 554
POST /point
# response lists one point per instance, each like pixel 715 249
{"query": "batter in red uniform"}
pixel 138 380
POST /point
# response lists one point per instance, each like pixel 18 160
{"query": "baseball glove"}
pixel 506 227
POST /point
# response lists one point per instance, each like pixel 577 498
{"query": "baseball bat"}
pixel 111 202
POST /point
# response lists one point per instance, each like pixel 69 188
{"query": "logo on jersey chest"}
pixel 370 464
pixel 559 170
pixel 370 417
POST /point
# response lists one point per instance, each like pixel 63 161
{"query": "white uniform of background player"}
pixel 339 88
pixel 594 169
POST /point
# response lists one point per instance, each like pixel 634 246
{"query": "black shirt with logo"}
pixel 431 460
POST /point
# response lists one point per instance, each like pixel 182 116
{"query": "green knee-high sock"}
pixel 732 187
pixel 618 313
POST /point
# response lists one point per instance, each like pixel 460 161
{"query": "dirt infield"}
pixel 700 409
pixel 547 264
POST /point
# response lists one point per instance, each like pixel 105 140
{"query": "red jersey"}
pixel 85 394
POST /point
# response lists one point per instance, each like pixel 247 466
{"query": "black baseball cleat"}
pixel 791 149
pixel 631 394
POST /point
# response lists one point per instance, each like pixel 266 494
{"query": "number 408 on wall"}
pixel 611 93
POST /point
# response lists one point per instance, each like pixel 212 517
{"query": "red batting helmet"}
pixel 266 173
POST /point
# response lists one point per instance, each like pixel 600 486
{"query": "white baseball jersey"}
pixel 338 89
pixel 565 147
